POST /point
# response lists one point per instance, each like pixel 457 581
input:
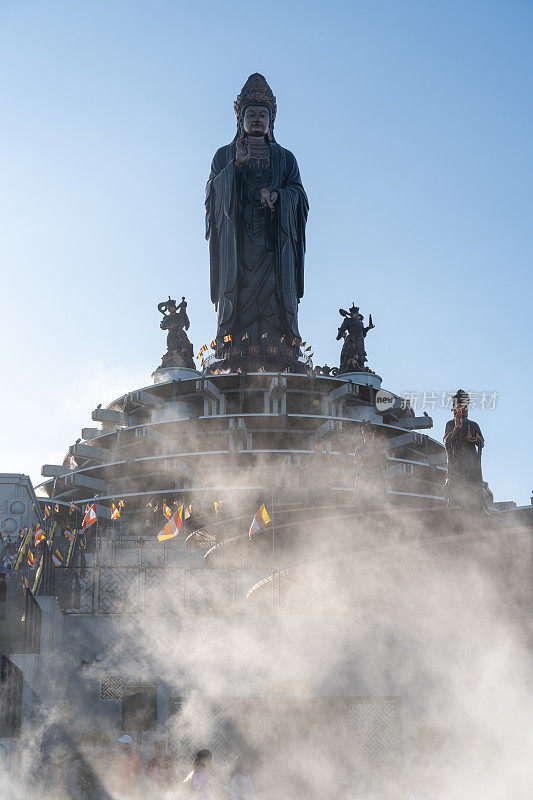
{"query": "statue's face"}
pixel 461 410
pixel 256 120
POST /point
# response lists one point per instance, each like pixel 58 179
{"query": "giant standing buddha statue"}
pixel 256 212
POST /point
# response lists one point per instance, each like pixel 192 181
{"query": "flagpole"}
pixel 96 553
pixel 273 551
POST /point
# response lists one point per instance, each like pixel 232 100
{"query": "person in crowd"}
pixel 199 777
pixel 94 765
pixel 160 772
pixel 125 770
pixel 60 775
pixel 240 785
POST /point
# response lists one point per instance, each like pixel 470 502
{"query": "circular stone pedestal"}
pixel 167 374
pixel 361 378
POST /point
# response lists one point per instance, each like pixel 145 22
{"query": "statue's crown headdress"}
pixel 255 91
pixel 460 398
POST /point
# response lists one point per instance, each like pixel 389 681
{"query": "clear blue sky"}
pixel 412 125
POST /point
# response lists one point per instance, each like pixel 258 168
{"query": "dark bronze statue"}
pixel 464 442
pixel 176 322
pixel 353 331
pixel 256 212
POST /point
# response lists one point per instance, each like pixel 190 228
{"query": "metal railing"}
pixel 145 590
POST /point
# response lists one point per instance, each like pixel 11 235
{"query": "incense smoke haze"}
pixel 411 132
pixel 441 623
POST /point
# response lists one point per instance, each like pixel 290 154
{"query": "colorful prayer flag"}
pixel 264 335
pixel 31 559
pixel 214 343
pixel 156 507
pixel 46 511
pixel 68 534
pixel 90 517
pixel 245 336
pixel 173 526
pixel 167 513
pixel 260 520
pixel 218 505
pixel 149 505
pixel 188 511
pixel 39 535
pixel 115 511
pixel 72 508
pixel 25 586
pixel 57 558
pixel 227 338
pixel 32 508
pixel 56 508
pixel 121 504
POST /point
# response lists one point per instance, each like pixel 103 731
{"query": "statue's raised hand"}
pixel 242 154
pixel 268 198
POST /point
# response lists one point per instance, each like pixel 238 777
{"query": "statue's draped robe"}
pixel 464 485
pixel 174 324
pixel 256 256
pixel 179 348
